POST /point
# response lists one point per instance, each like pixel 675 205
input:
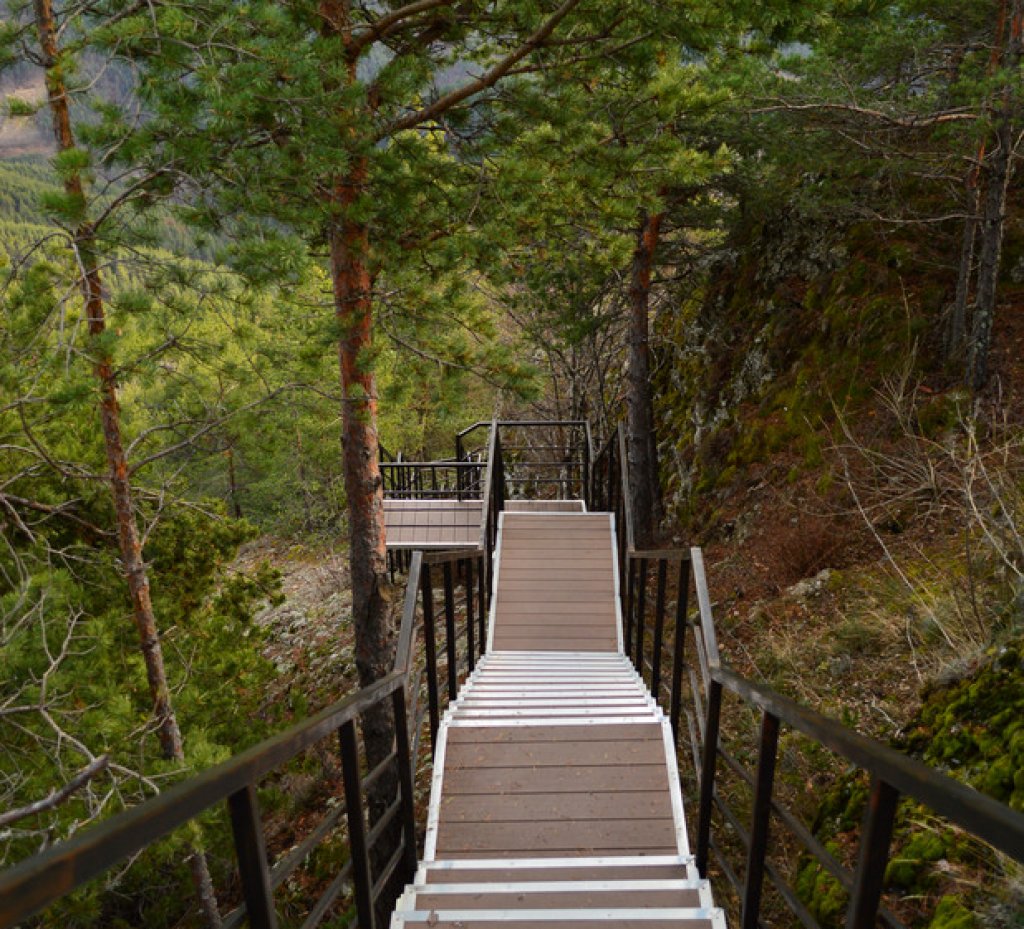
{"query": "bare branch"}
pixel 57 797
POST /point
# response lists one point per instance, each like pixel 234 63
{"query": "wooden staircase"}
pixel 555 796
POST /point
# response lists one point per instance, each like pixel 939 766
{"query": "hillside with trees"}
pixel 248 251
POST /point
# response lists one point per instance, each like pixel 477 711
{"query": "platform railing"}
pixel 443 632
pixel 673 647
pixel 542 458
pixel 610 492
pixel 432 480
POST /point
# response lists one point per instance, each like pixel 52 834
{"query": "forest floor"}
pixel 308 636
pixel 850 602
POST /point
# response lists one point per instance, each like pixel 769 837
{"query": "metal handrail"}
pixel 892 774
pixel 43 879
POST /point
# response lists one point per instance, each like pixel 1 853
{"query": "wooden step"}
pixel 504 870
pixel 563 895
pixel 627 918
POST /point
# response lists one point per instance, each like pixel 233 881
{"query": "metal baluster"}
pixel 873 856
pixel 450 642
pixel 467 580
pixel 682 597
pixel 630 604
pixel 659 629
pixel 707 776
pixel 358 852
pixel 641 607
pixel 761 820
pixel 430 646
pixel 481 580
pixel 251 851
pixel 405 780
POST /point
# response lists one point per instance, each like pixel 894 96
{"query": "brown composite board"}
pixel 571 808
pixel 507 782
pixel 591 837
pixel 564 734
pixel 559 899
pixel 554 853
pixel 498 875
pixel 520 614
pixel 558 598
pixel 565 645
pixel 569 585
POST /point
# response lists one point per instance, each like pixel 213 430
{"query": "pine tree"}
pixel 332 120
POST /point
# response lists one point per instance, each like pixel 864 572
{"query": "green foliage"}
pixel 971 728
pixel 975 727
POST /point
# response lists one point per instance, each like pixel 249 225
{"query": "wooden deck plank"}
pixel 555 807
pixel 602 644
pixel 569 779
pixel 497 875
pixel 549 853
pixel 591 837
pixel 571 734
pixel 561 900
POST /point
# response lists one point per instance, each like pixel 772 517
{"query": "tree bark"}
pixel 642 450
pixel 956 328
pixel 349 251
pixel 998 174
pixel 129 541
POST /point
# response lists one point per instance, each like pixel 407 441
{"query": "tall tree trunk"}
pixel 955 336
pixel 993 217
pixel 643 462
pixel 129 541
pixel 371 616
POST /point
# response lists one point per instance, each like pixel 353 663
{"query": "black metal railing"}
pixel 609 492
pixel 432 480
pixel 677 654
pixel 443 632
pixel 543 459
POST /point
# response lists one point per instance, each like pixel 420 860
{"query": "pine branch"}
pixel 382 26
pixel 444 103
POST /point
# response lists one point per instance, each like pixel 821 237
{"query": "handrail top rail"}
pixel 92 851
pixel 449 555
pixel 660 554
pixel 521 423
pixel 439 463
pixel 47 875
pixel 989 819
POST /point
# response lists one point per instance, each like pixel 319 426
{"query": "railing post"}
pixel 761 819
pixel 682 604
pixel 707 776
pixel 450 642
pixel 405 781
pixel 873 856
pixel 641 608
pixel 430 646
pixel 482 595
pixel 627 613
pixel 467 581
pixel 659 630
pixel 251 851
pixel 361 876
